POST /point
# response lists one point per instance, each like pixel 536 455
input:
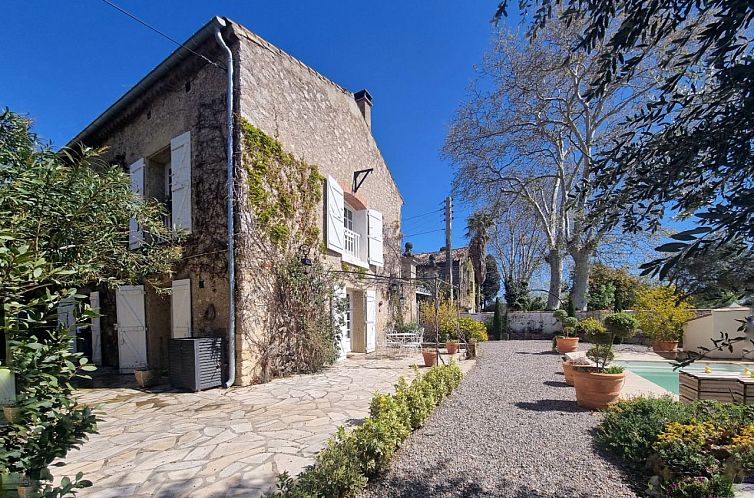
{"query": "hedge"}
pixel 351 458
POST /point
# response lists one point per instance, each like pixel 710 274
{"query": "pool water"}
pixel 662 373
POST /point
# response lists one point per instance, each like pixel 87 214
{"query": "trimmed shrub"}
pixel 590 328
pixel 620 325
pixel 472 329
pixel 342 469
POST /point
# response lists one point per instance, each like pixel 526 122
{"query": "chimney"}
pixel 364 101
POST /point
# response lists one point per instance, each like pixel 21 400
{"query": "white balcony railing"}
pixel 352 241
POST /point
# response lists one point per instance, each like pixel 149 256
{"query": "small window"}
pixel 348 218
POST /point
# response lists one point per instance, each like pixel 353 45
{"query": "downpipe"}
pixel 231 214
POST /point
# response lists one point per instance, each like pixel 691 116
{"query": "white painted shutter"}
pixel 67 320
pixel 371 319
pixel 181 309
pixel 96 329
pixel 375 238
pixel 135 233
pixel 132 328
pixel 180 164
pixel 335 204
pixel 344 343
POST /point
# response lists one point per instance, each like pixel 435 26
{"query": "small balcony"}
pixel 352 242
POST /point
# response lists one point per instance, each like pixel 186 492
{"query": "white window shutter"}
pixel 181 309
pixel 375 238
pixel 135 233
pixel 180 164
pixel 335 204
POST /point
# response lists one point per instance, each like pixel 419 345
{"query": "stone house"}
pixel 464 282
pixel 170 132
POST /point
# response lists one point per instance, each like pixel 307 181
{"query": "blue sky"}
pixel 63 63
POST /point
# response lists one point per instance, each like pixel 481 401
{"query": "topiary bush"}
pixel 621 325
pixel 590 328
pixel 342 469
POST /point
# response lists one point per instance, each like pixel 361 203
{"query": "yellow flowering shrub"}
pixel 661 316
pixel 744 439
pixel 691 434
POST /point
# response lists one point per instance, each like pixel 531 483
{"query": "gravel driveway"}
pixel 512 429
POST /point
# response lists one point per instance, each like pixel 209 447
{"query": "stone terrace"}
pixel 224 442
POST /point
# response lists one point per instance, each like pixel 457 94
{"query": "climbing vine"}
pixel 282 189
pixel 300 331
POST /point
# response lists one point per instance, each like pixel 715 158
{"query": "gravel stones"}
pixel 512 429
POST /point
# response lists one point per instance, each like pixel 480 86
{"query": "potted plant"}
pixel 599 385
pixel 430 357
pixel 452 346
pixel 661 316
pixel 568 342
pixel 147 377
pixel 568 366
pixel 12 414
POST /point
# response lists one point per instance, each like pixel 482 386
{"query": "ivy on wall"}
pixel 300 321
pixel 281 189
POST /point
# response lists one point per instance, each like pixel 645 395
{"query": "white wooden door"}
pixel 180 309
pixel 67 320
pixel 132 329
pixel 371 319
pixel 96 329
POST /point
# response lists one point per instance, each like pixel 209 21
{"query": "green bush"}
pixel 590 328
pixel 472 329
pixel 342 469
pixel 620 324
pixel 694 449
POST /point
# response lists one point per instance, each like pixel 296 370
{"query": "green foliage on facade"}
pixel 282 189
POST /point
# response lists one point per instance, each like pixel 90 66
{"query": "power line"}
pixel 422 233
pixel 146 24
pixel 422 215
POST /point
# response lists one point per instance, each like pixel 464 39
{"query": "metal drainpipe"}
pixel 231 215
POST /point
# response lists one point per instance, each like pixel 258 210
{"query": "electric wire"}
pixel 422 215
pixel 168 37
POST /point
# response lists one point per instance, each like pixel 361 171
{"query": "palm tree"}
pixel 477 231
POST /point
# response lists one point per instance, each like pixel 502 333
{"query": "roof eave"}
pixel 196 40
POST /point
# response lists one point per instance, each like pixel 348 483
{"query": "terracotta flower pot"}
pixel 12 414
pixel 665 346
pixel 567 344
pixel 452 347
pixel 568 372
pixel 147 378
pixel 597 390
pixel 430 357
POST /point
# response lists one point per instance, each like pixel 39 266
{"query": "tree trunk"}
pixel 555 259
pixel 582 264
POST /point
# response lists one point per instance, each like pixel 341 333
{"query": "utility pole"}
pixel 448 243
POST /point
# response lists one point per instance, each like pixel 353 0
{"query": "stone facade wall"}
pixel 319 122
pixel 190 98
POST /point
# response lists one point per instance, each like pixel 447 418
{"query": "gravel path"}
pixel 512 429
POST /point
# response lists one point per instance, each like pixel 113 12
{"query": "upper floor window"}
pixel 348 218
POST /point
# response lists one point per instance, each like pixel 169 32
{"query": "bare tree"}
pixel 529 133
pixel 517 243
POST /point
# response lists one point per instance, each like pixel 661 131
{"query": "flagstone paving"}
pixel 234 442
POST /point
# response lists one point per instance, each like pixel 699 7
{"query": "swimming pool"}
pixel 662 373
